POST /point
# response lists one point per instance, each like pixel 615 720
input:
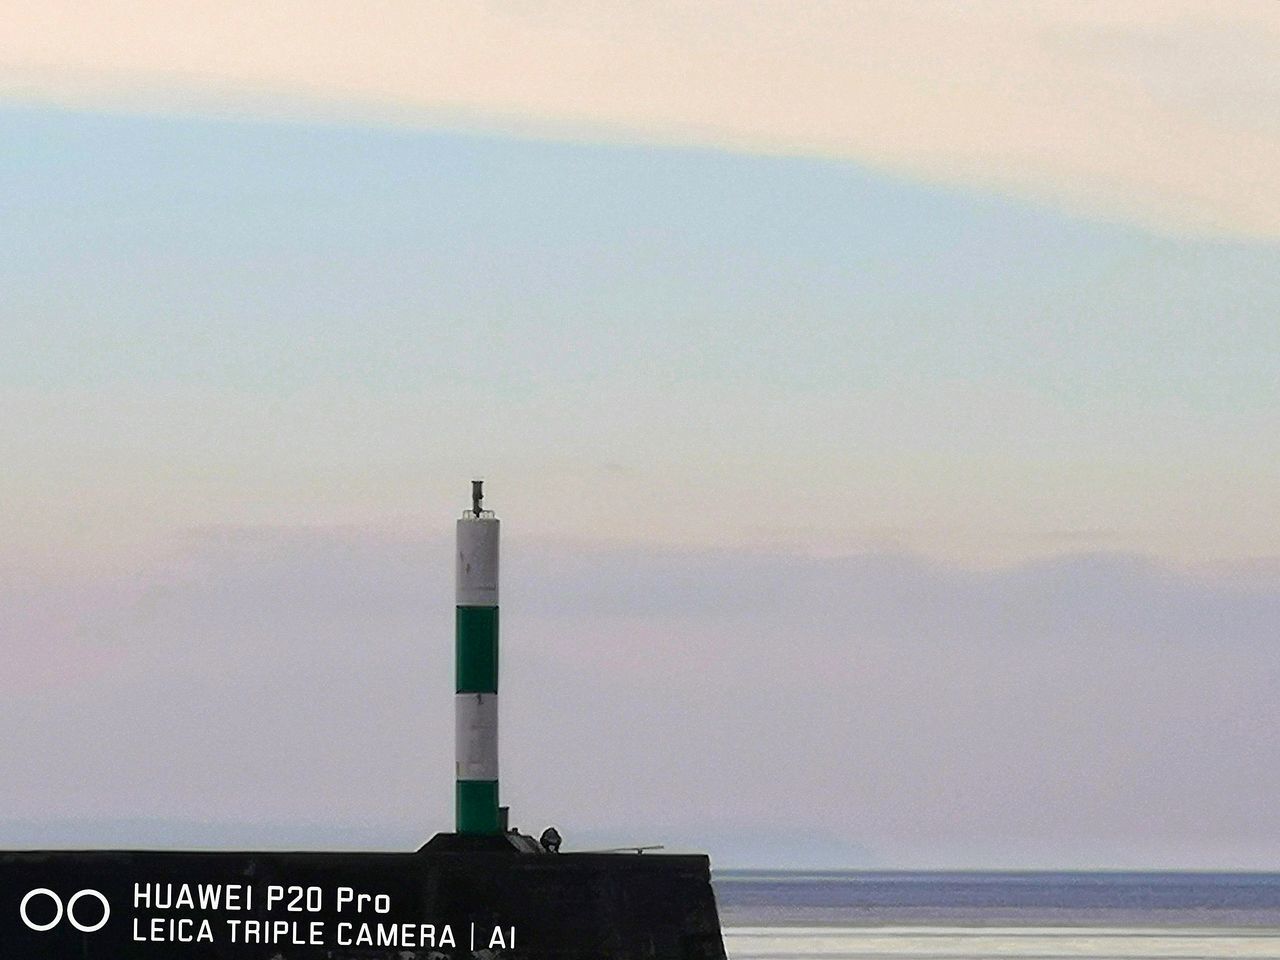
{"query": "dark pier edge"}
pixel 563 906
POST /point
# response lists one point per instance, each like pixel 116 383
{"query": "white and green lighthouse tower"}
pixel 476 662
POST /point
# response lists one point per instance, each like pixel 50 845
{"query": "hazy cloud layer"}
pixel 1165 113
pixel 1091 710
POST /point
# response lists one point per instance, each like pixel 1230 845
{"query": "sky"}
pixel 880 403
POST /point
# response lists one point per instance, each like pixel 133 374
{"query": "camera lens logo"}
pixel 69 910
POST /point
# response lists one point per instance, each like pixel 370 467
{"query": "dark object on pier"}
pixel 550 840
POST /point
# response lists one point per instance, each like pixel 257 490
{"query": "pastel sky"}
pixel 881 402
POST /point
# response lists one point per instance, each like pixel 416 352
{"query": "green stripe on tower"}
pixel 476 652
pixel 476 806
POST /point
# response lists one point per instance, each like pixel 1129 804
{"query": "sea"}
pixel 975 916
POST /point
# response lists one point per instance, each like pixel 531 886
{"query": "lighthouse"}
pixel 476 670
pixel 564 905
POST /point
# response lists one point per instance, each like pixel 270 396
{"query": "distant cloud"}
pixel 1167 114
pixel 1086 710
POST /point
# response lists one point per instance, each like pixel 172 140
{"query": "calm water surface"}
pixel 972 916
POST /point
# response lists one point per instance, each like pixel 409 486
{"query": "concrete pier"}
pixel 344 906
